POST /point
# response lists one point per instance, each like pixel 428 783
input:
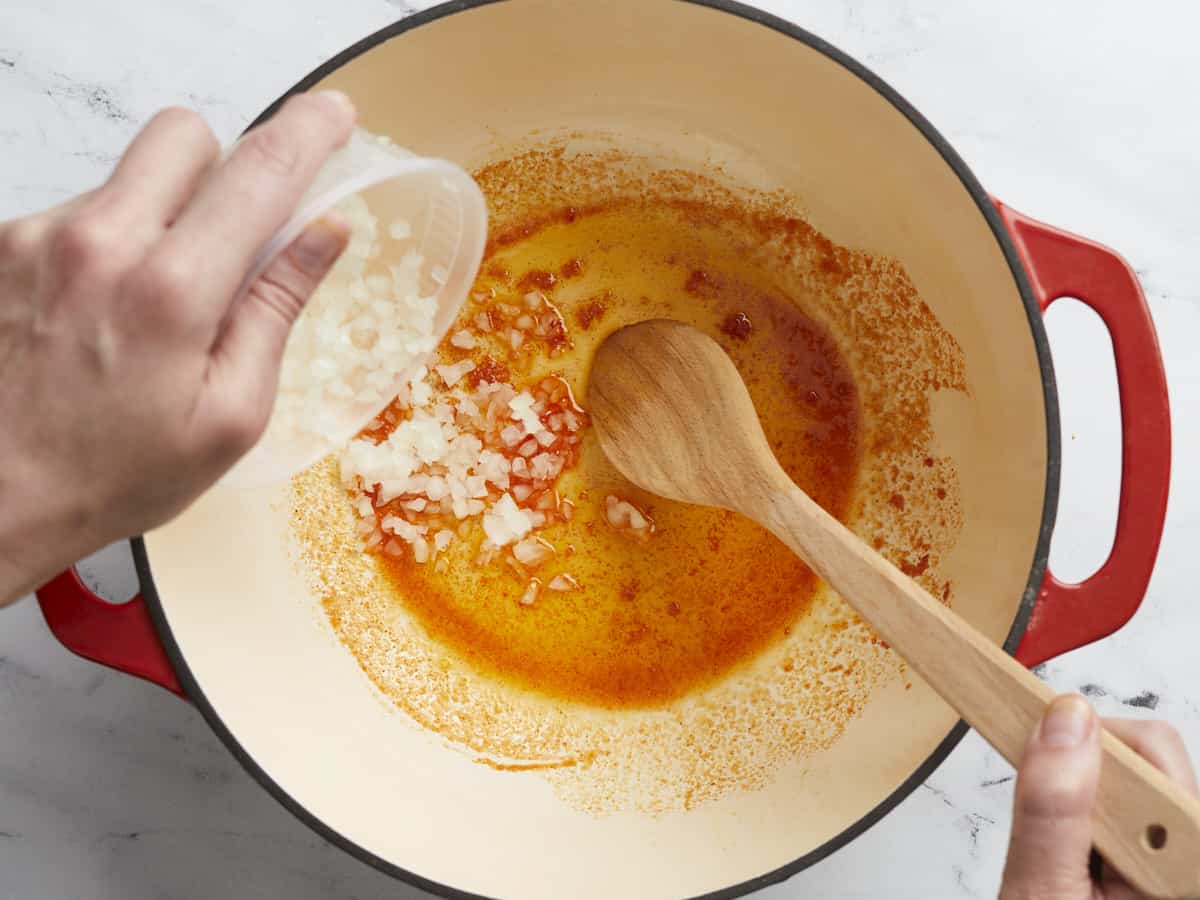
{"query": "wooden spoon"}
pixel 674 417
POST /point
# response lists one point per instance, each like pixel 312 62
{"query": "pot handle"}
pixel 120 636
pixel 1068 616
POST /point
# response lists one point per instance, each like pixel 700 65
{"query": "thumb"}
pixel 1052 814
pixel 250 347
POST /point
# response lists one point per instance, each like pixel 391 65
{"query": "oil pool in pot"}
pixel 650 618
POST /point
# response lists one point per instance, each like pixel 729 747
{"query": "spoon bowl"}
pixel 666 447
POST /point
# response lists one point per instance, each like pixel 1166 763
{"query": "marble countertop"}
pixel 1080 113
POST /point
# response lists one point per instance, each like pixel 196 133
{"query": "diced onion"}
pixel 531 593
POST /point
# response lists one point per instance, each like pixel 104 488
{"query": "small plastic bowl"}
pixel 447 216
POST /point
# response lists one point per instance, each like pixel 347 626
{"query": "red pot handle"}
pixel 1068 616
pixel 120 636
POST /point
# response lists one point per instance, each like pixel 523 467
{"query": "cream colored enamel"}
pixel 298 703
pixel 715 89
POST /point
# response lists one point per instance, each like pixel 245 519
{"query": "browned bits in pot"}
pixel 499 273
pixel 572 268
pixel 555 332
pixel 629 590
pixel 488 370
pixel 737 326
pixel 590 312
pixel 699 283
pixel 537 279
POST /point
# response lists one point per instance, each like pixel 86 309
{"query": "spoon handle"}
pixel 1146 826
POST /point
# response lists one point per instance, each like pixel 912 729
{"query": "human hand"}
pixel 1049 856
pixel 130 380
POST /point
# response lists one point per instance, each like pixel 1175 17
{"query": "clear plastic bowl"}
pixel 447 214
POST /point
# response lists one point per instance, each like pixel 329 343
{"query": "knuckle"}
pixel 169 278
pixel 1053 799
pixel 277 296
pixel 19 239
pixel 86 244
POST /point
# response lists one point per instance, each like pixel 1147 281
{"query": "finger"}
pixel 21 239
pixel 253 193
pixel 249 350
pixel 161 169
pixel 1052 813
pixel 1160 744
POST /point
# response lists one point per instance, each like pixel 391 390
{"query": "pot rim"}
pixel 1049 507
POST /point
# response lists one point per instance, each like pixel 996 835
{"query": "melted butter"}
pixel 650 620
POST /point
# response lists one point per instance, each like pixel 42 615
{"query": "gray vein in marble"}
pixel 94 684
pixel 973 823
pixel 960 880
pixel 96 156
pixel 973 819
pixel 204 102
pixel 11 668
pixel 1142 700
pixel 970 822
pixel 300 838
pixel 1155 290
pixel 129 836
pixel 97 98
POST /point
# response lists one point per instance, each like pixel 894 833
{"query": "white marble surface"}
pixel 1082 113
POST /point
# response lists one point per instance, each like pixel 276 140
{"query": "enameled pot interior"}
pixel 775 112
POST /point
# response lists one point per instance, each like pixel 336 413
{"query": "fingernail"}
pixel 319 245
pixel 1067 722
pixel 340 99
